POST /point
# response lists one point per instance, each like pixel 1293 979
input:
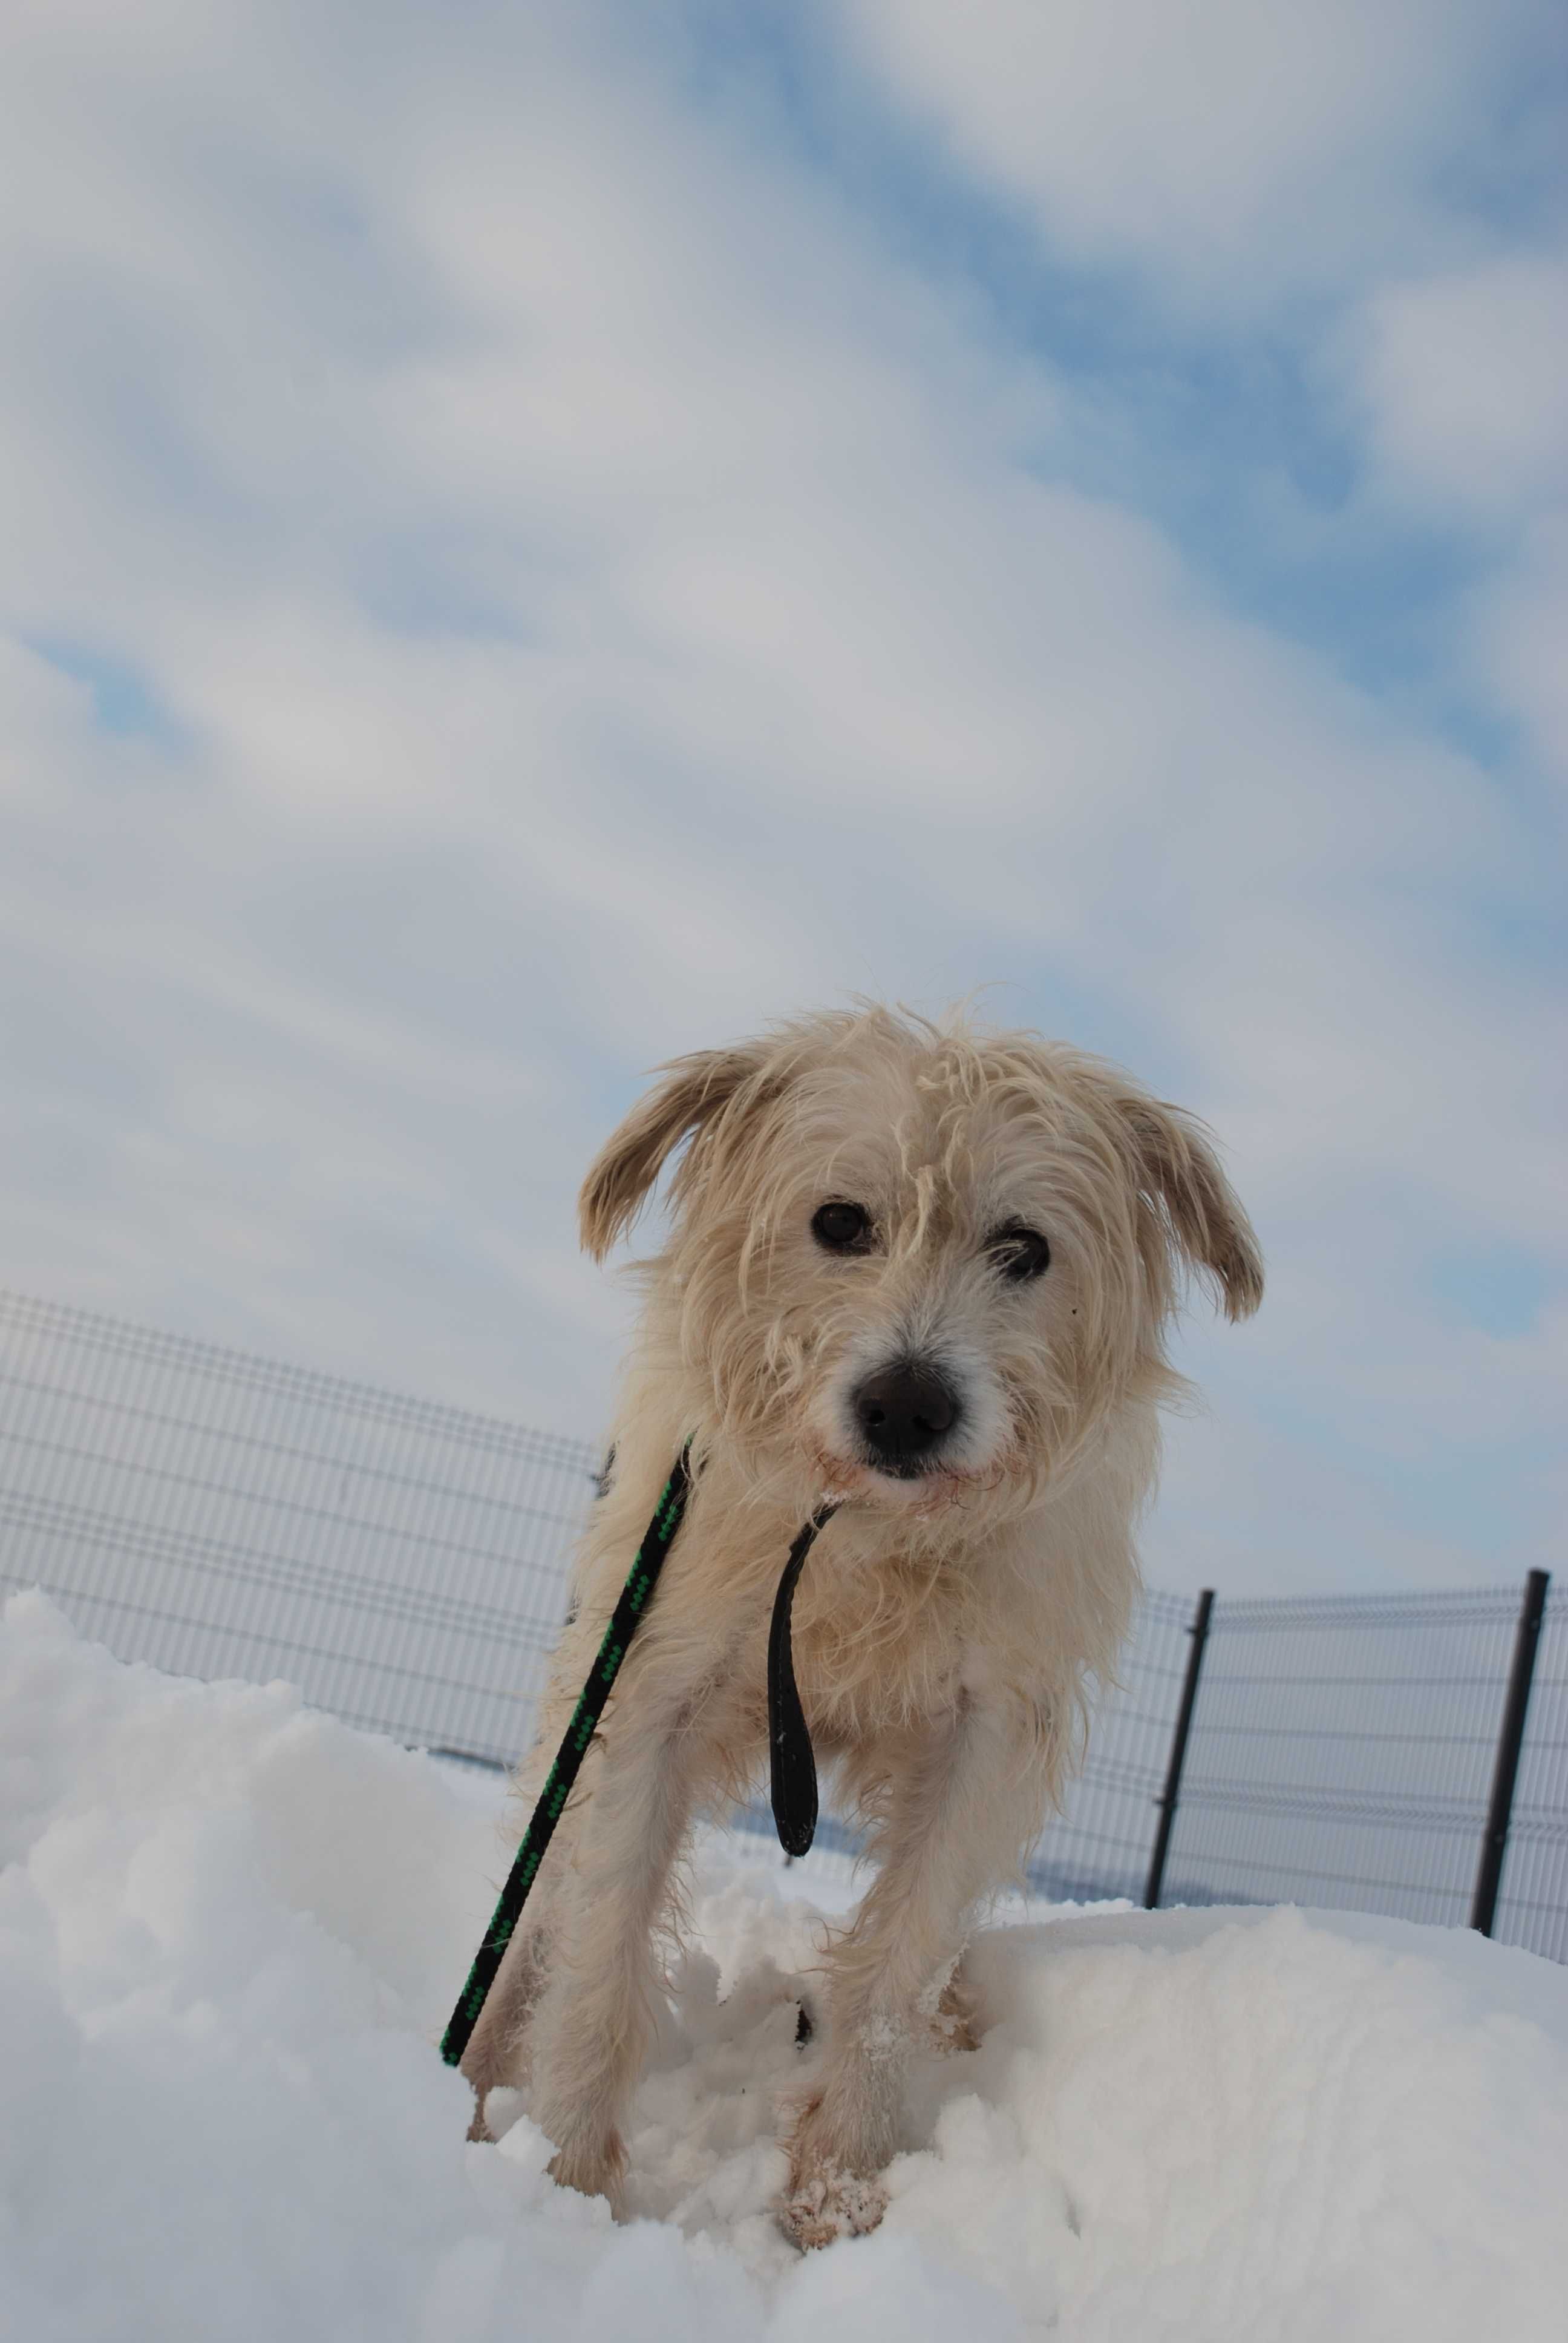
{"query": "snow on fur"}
pixel 231 1929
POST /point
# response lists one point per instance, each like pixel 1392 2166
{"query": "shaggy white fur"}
pixel 1021 1219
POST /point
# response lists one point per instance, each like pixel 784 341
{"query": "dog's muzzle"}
pixel 905 1412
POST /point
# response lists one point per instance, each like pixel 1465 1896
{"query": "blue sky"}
pixel 539 538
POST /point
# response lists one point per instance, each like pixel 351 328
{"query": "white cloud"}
pixel 1240 150
pixel 1465 377
pixel 1462 383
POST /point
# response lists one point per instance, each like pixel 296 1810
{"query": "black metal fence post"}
pixel 1509 1741
pixel 1199 1631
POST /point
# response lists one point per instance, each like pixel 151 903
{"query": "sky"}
pixel 539 537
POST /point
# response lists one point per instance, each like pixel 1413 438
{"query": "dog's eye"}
pixel 1020 1253
pixel 842 1228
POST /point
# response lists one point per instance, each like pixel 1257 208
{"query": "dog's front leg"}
pixel 967 1797
pixel 498 2049
pixel 592 2027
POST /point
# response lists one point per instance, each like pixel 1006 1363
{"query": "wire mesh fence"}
pixel 1342 1752
pixel 1102 1842
pixel 404 1564
pixel 222 1515
pixel 1532 1900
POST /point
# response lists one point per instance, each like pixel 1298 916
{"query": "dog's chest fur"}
pixel 883 1638
pixel 881 1646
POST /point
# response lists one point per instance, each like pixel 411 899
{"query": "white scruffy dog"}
pixel 928 1271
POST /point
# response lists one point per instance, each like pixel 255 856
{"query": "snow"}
pixel 231 1930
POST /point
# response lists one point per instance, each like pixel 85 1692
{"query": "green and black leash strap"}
pixel 640 1583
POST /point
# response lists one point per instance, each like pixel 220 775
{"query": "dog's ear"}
pixel 1180 1173
pixel 693 1091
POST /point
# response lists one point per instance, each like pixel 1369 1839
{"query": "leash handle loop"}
pixel 792 1765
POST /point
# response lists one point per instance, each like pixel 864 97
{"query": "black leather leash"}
pixel 792 1765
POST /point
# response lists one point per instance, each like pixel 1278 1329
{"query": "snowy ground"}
pixel 230 1931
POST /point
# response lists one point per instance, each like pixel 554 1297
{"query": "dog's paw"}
pixel 593 2167
pixel 953 2025
pixel 827 2203
pixel 950 2033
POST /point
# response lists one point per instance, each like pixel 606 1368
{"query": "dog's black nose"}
pixel 904 1412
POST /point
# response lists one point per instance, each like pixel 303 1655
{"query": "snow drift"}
pixel 231 1929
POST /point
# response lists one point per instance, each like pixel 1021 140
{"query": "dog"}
pixel 925 1271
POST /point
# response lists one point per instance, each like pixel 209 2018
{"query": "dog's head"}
pixel 930 1263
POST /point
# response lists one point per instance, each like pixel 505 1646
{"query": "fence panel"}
pixel 221 1515
pixel 1533 1903
pixel 1100 1844
pixel 1341 1753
